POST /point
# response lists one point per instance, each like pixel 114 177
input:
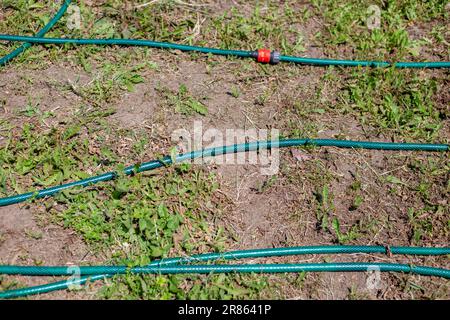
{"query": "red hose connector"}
pixel 263 56
pixel 266 56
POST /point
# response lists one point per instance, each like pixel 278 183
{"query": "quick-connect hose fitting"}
pixel 262 55
pixel 266 56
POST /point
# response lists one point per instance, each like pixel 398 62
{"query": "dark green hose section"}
pixel 50 287
pixel 41 33
pixel 359 63
pixel 128 42
pixel 237 53
pixel 228 268
pixel 233 255
pixel 211 152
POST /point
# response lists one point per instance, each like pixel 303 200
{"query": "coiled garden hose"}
pixel 261 55
pixel 98 273
pixel 211 152
pixel 41 33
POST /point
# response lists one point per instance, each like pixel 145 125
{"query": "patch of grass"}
pixel 113 78
pixel 397 102
pixel 357 201
pixel 45 158
pixel 142 218
pixel 347 25
pixel 160 205
pixel 266 184
pixel 272 26
pixel 222 287
pixel 345 237
pixel 355 294
pixel 325 208
pixel 421 225
pixel 183 102
pixel 6 283
pixel 132 220
pixel 235 92
pixel 358 198
pixel 163 21
pixel 32 234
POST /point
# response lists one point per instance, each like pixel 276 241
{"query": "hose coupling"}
pixel 266 56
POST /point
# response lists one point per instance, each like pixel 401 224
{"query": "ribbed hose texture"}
pixel 233 255
pixel 211 152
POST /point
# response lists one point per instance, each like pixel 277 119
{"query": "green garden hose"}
pixel 272 57
pixel 41 33
pixel 105 271
pixel 229 268
pixel 261 55
pixel 211 152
